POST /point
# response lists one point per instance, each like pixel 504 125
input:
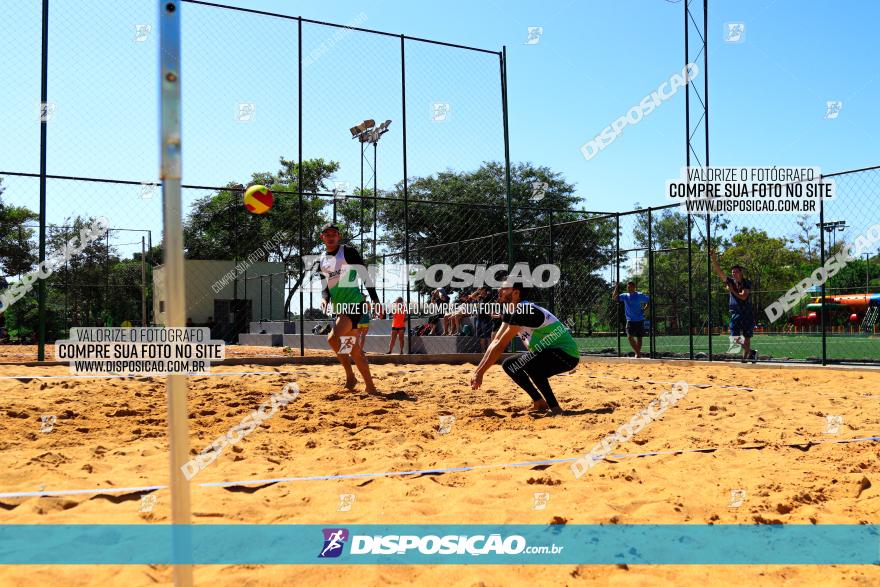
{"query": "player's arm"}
pixel 740 294
pixel 353 257
pixel 496 348
pixel 614 294
pixel 718 270
pixel 728 281
pixel 325 291
pixel 325 297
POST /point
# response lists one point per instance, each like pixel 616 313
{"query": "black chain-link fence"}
pixel 401 142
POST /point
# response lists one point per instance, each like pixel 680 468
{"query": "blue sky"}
pixel 593 62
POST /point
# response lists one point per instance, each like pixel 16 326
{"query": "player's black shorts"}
pixel 635 328
pixel 355 319
pixel 742 324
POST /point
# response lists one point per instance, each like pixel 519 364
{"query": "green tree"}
pixel 461 217
pixel 17 251
pixel 807 237
pixel 669 229
pixel 79 290
pixel 219 227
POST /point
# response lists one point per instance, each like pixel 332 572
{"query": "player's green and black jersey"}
pixel 539 329
pixel 339 278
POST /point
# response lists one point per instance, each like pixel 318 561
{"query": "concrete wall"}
pixel 376 343
pixel 292 326
pixel 203 277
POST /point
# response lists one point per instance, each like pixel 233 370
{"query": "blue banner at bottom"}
pixel 688 544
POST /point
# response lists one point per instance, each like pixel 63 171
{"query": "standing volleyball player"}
pixel 341 295
pixel 551 348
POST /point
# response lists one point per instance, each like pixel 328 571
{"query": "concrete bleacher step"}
pixel 261 339
pixel 272 327
pixel 291 326
pixel 378 343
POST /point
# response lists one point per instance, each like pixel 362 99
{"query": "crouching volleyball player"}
pixel 551 348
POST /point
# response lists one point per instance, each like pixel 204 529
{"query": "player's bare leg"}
pixel 360 361
pixel 343 327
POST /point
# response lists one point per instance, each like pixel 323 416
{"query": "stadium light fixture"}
pixel 832 227
pixel 359 130
pixel 376 133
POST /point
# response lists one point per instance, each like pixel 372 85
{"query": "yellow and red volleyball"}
pixel 258 199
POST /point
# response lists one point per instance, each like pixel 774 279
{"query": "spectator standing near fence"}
pixel 484 296
pixel 440 299
pixel 398 324
pixel 634 309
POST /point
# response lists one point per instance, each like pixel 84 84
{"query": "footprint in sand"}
pixel 491 413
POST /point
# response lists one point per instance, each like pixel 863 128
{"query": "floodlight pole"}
pixel 375 191
pixel 362 194
pixel 299 189
pixel 143 283
pixel 178 434
pixel 405 188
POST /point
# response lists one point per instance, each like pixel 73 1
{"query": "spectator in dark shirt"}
pixel 440 298
pixel 483 322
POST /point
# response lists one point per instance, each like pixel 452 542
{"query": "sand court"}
pixel 744 446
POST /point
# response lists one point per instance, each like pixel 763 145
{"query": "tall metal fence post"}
pixel 706 130
pixel 709 282
pixel 299 189
pixel 106 297
pixel 822 292
pixel 507 157
pixel 405 188
pixel 143 287
pixel 690 292
pixel 687 148
pixel 651 285
pixel 550 261
pixel 617 267
pixel 171 174
pixel 44 115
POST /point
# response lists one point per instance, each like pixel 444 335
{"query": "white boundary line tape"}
pixel 230 374
pixel 247 482
pixel 84 491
